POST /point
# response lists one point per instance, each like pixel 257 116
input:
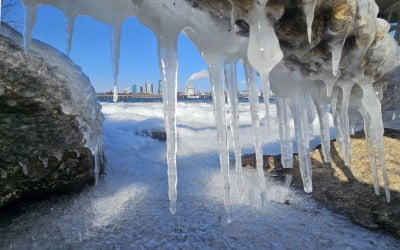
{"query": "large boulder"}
pixel 50 123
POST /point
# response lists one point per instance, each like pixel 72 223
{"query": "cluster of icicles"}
pixel 297 96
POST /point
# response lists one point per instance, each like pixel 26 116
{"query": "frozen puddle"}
pixel 130 208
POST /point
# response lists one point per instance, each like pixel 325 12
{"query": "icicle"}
pixel 232 15
pixel 284 132
pixel 168 59
pixel 217 86
pixel 311 114
pixel 288 180
pixel 253 99
pixel 371 153
pixel 266 89
pixel 303 138
pixel 70 31
pixel 115 92
pixel 336 52
pixel 232 90
pixel 373 125
pixel 309 9
pixel 115 52
pixel 322 106
pixel 330 84
pixel 30 19
pixel 334 100
pixel 344 116
pixel 264 50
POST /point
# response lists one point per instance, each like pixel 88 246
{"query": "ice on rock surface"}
pixel 356 52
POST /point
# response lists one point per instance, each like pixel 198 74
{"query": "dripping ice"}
pixel 297 94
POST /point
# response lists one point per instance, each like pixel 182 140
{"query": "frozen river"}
pixel 129 209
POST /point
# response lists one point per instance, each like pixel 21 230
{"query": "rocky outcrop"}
pixel 350 25
pixel 50 123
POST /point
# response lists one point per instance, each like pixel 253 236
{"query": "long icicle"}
pixel 309 9
pixel 371 153
pixel 374 131
pixel 115 52
pixel 70 32
pixel 30 19
pixel 266 89
pixel 321 102
pixel 303 138
pixel 284 132
pixel 216 69
pixel 168 60
pixel 344 116
pixel 232 90
pixel 253 99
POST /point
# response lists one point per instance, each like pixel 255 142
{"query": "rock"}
pixel 50 123
pixel 349 189
pixel 368 49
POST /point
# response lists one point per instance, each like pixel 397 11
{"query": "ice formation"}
pixel 329 70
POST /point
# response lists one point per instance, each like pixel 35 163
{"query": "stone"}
pixel 46 144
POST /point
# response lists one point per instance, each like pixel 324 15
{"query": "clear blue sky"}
pixel 91 50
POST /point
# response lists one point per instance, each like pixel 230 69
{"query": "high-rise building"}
pixel 134 89
pixel 160 88
pixel 141 90
pixel 148 88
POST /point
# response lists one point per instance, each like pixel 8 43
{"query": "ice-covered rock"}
pixel 50 122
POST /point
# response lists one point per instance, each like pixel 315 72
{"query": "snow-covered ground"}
pixel 130 210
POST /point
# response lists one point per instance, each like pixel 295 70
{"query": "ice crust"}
pixel 300 94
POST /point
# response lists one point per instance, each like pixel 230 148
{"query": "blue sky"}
pixel 91 50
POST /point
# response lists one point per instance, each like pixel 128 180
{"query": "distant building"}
pixel 160 88
pixel 127 91
pixel 141 90
pixel 134 89
pixel 148 88
pixel 190 90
